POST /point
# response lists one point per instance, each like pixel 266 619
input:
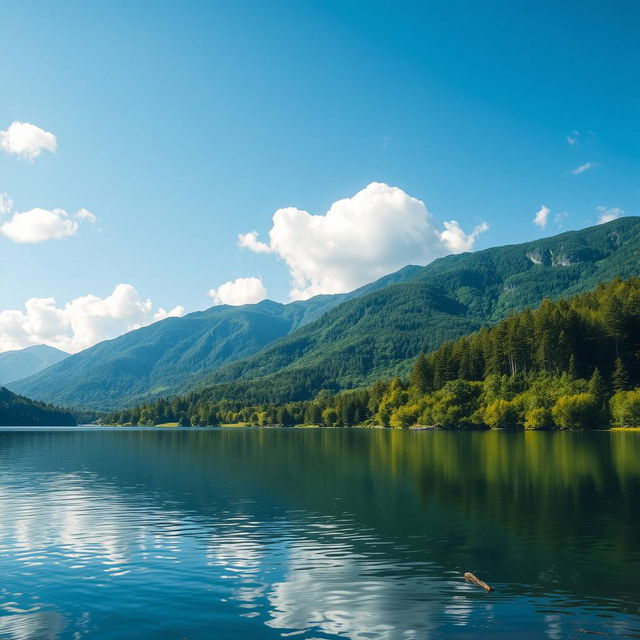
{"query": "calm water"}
pixel 318 534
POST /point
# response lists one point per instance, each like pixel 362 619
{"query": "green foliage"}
pixel 501 414
pixel 620 377
pixel 625 408
pixel 538 418
pixel 17 410
pixel 578 411
pixel 499 377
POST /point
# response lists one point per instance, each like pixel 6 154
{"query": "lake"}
pixel 318 534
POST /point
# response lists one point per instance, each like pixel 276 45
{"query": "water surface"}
pixel 318 534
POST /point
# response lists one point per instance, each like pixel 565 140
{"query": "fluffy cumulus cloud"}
pixel 607 214
pixel 378 230
pixel 542 216
pixel 26 140
pixel 239 291
pixel 80 323
pixel 38 225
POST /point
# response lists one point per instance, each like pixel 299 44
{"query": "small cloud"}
pixel 250 241
pixel 583 167
pixel 456 240
pixel 38 225
pixel 6 204
pixel 386 141
pixel 86 215
pixel 161 314
pixel 239 291
pixel 607 214
pixel 541 217
pixel 573 138
pixel 26 140
pixel 559 217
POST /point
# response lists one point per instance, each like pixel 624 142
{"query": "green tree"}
pixel 579 411
pixel 625 408
pixel 620 377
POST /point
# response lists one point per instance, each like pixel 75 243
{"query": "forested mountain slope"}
pixel 570 363
pixel 379 334
pixel 19 411
pixel 177 353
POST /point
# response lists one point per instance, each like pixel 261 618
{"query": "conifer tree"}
pixel 620 378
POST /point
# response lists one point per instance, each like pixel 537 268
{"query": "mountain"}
pixel 25 362
pixel 561 365
pixel 272 352
pixel 18 411
pixel 178 353
pixel 379 334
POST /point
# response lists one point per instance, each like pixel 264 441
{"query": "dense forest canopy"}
pixel 570 363
pixel 19 411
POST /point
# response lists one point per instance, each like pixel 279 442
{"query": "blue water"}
pixel 259 533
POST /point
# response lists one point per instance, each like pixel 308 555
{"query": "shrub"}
pixel 538 418
pixel 501 414
pixel 625 408
pixel 578 411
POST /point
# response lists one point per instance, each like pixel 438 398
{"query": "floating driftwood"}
pixel 469 577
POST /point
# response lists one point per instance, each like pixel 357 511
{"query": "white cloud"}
pixel 607 214
pixel 78 324
pixel 6 204
pixel 240 291
pixel 250 241
pixel 26 140
pixel 456 240
pixel 542 217
pixel 559 218
pixel 85 214
pixel 38 225
pixel 573 138
pixel 161 314
pixel 583 167
pixel 378 230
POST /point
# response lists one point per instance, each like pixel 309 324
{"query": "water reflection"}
pixel 317 534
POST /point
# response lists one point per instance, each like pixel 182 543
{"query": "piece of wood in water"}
pixel 469 577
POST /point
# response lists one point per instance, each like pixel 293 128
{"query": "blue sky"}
pixel 182 125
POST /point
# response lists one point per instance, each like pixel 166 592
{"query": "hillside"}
pixel 177 353
pixel 21 363
pixel 379 334
pixel 262 353
pixel 19 411
pixel 572 363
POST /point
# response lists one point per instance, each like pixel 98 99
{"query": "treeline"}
pixel 19 411
pixel 568 364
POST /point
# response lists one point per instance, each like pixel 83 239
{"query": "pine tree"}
pixel 620 378
pixel 598 388
pixel 419 378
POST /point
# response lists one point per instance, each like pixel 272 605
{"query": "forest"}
pixel 567 364
pixel 19 411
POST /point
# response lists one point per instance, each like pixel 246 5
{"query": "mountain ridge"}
pixel 20 363
pixel 350 339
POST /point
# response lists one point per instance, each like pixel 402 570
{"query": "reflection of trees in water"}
pixel 548 511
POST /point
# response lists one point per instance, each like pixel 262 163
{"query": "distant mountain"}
pixel 273 352
pixel 177 353
pixel 25 362
pixel 18 411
